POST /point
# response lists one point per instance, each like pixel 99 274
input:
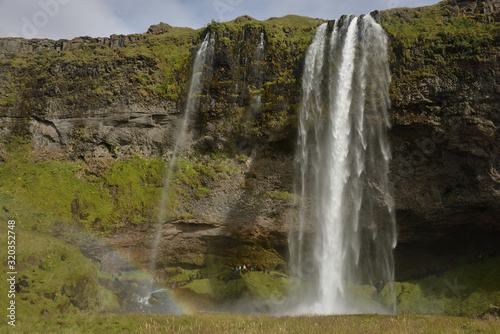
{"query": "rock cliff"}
pixel 445 132
pixel 100 101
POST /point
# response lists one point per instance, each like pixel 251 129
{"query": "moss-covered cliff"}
pixel 93 123
pixel 445 136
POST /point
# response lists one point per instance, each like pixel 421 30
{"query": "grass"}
pixel 225 323
pixel 411 24
pixel 469 290
pixel 440 30
pixel 126 193
pixel 51 275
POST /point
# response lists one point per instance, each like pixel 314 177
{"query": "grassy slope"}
pixel 468 290
pixel 253 284
pixel 434 23
pixel 52 276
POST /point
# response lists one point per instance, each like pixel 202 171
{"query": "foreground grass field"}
pixel 224 323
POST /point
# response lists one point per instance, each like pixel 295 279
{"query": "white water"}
pixel 203 57
pixel 346 230
pixel 256 102
pixel 166 304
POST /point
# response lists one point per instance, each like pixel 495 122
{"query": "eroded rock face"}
pixel 447 170
pixel 147 130
pixel 238 223
pixel 445 142
pixel 445 146
pixel 21 45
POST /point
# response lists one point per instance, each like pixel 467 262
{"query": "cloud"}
pixel 335 9
pixel 225 10
pixel 70 18
pixel 58 19
pixel 141 15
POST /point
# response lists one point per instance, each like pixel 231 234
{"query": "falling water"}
pixel 203 57
pixel 260 47
pixel 256 102
pixel 346 229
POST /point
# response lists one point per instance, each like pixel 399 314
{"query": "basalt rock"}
pixel 445 137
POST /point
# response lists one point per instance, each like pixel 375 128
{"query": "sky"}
pixel 57 19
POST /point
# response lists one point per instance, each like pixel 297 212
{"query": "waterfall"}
pixel 345 234
pixel 203 57
pixel 256 102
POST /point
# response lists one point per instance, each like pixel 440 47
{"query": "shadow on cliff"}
pixel 253 232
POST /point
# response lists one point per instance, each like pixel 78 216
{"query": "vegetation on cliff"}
pixel 77 81
pixel 154 68
pixel 229 115
pixel 103 196
pixel 447 42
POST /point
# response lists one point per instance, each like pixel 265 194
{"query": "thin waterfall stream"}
pixel 256 103
pixel 203 56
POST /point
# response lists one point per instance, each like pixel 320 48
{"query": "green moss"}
pixel 202 192
pixel 8 100
pixel 30 183
pixel 114 195
pixel 208 286
pixel 435 41
pixel 52 276
pixel 439 24
pixel 466 291
pixel 283 195
pixel 108 300
pixel 242 158
pixel 182 275
pixel 252 284
pixel 206 171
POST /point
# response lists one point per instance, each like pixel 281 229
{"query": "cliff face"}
pixel 445 137
pixel 103 100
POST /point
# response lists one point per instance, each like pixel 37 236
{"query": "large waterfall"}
pixel 345 234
